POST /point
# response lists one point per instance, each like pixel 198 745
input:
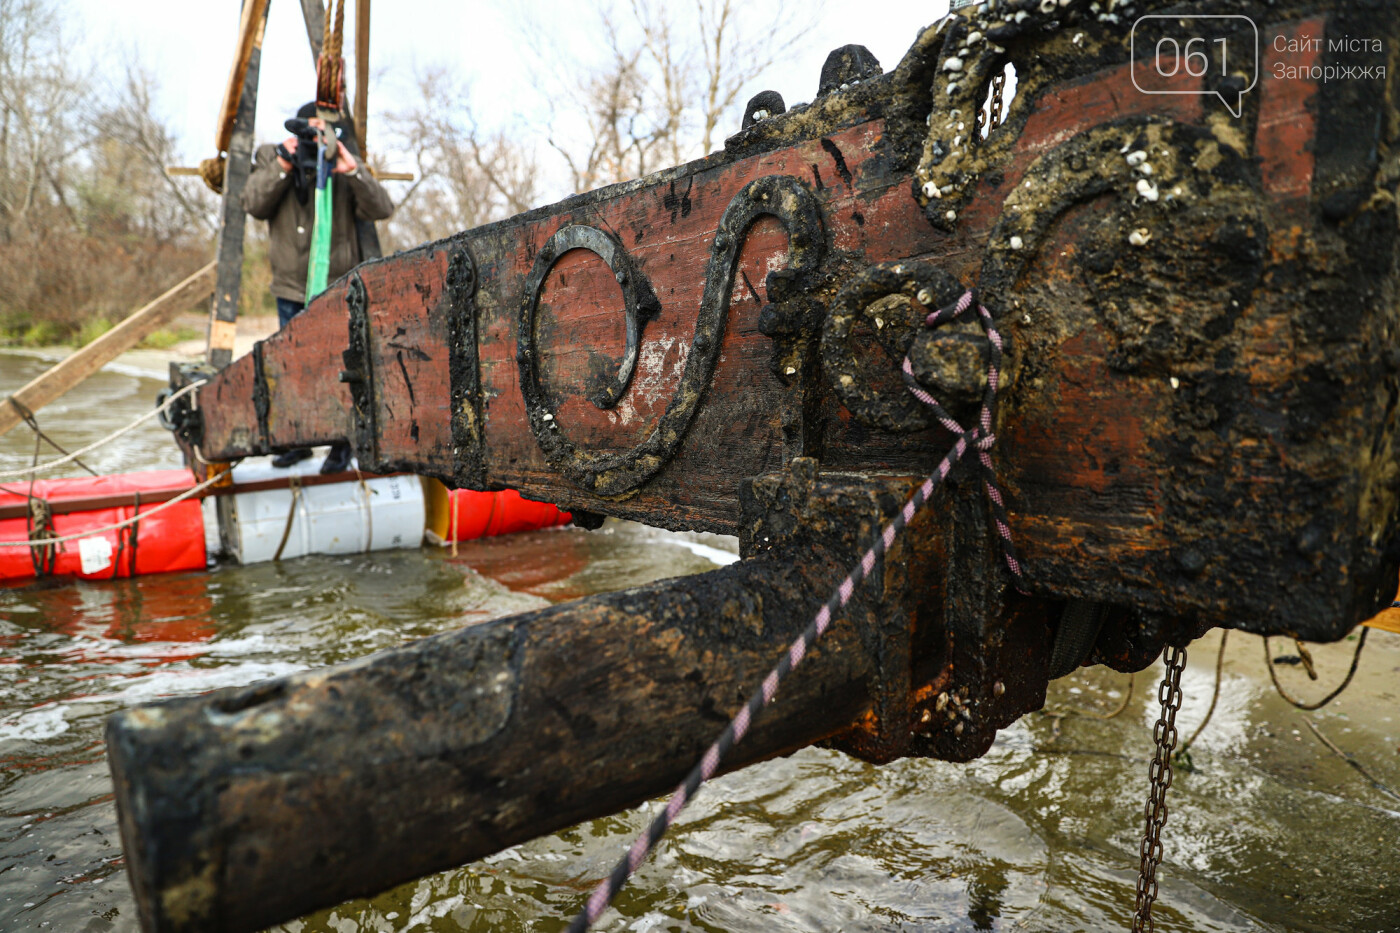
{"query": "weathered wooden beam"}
pixel 250 27
pixel 362 76
pixel 314 16
pixel 82 363
pixel 1195 426
pixel 1195 407
pixel 228 288
pixel 460 745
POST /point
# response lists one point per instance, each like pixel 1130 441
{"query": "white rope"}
pixel 46 542
pixel 44 467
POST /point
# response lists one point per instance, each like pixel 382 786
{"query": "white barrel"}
pixel 337 518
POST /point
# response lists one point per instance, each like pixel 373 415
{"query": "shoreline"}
pixel 151 363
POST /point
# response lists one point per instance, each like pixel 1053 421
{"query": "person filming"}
pixel 282 191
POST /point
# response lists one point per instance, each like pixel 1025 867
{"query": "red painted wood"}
pixel 408 312
pixel 308 405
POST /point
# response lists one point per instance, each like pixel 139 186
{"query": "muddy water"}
pixel 1270 831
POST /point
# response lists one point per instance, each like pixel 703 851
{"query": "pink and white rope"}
pixel 979 438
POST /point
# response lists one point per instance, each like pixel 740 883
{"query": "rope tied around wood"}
pixel 980 438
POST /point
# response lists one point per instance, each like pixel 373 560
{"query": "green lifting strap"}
pixel 319 269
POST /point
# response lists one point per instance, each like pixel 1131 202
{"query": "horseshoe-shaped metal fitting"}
pixel 639 301
pixel 620 474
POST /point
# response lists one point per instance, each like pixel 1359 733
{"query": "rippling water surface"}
pixel 1270 831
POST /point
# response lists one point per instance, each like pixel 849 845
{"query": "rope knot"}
pixel 980 437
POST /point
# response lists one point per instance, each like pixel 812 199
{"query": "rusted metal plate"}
pixel 1196 420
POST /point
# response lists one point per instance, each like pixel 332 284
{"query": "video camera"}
pixel 304 159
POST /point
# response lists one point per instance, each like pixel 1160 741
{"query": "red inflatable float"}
pixel 169 540
pixel 173 539
pixel 468 515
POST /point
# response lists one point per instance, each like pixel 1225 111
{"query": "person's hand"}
pixel 289 144
pixel 345 163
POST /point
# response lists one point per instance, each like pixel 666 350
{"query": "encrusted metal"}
pixel 611 475
pixel 359 373
pixel 469 465
pixel 639 306
pixel 894 325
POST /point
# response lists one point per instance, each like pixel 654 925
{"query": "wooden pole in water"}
pixel 139 325
pixel 353 779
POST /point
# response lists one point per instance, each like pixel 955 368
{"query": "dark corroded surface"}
pixel 469 742
pixel 1196 427
pixel 1199 417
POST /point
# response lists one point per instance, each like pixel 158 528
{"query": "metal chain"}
pixel 1159 775
pixel 993 111
pixel 998 83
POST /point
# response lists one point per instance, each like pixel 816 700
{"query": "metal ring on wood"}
pixel 609 474
pixel 890 411
pixel 639 301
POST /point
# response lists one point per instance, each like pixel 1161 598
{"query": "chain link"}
pixel 998 84
pixel 991 112
pixel 1159 775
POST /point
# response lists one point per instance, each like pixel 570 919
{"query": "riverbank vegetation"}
pixel 92 226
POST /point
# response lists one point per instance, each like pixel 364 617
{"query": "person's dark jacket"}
pixel 268 196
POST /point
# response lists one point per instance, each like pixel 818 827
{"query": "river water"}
pixel 1270 831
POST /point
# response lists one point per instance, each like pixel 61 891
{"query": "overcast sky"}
pixel 189 47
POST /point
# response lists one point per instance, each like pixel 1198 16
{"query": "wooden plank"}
pixel 223 312
pixel 306 345
pixel 249 36
pixel 362 75
pixel 1186 423
pixel 408 348
pixel 139 325
pixel 231 425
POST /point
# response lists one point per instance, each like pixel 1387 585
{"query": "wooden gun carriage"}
pixel 1196 428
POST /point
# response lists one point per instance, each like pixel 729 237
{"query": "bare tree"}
pixel 89 225
pixel 135 147
pixel 39 92
pixel 665 85
pixel 466 175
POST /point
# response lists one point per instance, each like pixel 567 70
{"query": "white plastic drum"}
pixel 337 518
